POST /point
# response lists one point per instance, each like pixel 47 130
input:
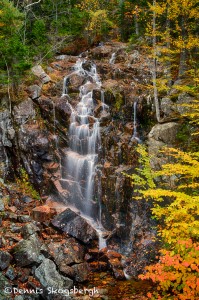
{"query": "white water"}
pixel 84 139
pixel 134 119
pixel 112 59
pixel 104 106
pixel 84 143
pixel 135 133
pixel 65 86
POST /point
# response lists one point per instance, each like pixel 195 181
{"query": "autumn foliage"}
pixel 176 273
pixel 174 191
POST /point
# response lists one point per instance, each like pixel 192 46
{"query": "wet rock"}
pixel 75 81
pixel 5 259
pixel 98 109
pixel 41 74
pixel 48 277
pixel 58 189
pixel 24 111
pixel 34 91
pixel 28 230
pixel 43 213
pixel 26 252
pixel 105 118
pixel 73 224
pixel 63 111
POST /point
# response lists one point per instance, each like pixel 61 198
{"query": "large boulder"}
pixel 160 136
pixel 51 280
pixel 27 252
pixel 76 226
pixel 67 252
pixel 165 133
pixel 69 257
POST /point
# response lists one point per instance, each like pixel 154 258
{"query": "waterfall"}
pixel 134 119
pixel 102 100
pixel 65 86
pixel 84 142
pixel 112 59
pixel 135 133
pixel 82 155
pixel 105 107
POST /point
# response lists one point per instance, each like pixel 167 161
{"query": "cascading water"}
pixel 112 59
pixel 54 127
pixel 84 143
pixel 135 133
pixel 134 119
pixel 65 86
pixel 105 107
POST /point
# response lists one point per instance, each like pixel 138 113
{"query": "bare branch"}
pixel 32 4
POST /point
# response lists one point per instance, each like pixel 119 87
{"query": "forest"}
pixel 164 181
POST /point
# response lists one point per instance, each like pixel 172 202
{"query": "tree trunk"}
pixel 183 53
pixel 154 68
pixel 136 24
pixel 168 45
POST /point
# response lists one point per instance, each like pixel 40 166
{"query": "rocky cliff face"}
pixel 35 136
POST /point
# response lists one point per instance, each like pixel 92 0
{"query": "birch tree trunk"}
pixel 183 53
pixel 154 67
pixel 136 24
pixel 168 45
